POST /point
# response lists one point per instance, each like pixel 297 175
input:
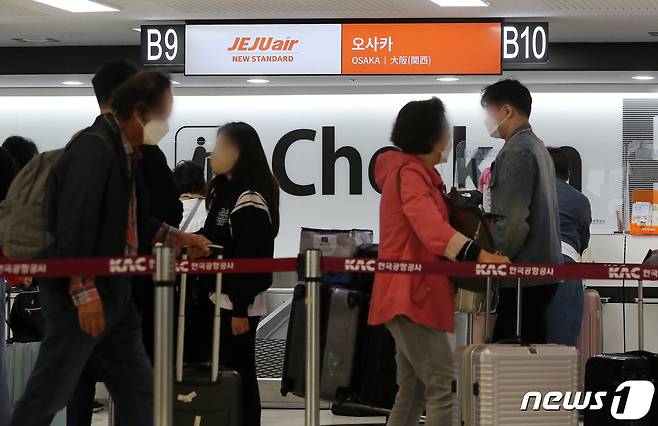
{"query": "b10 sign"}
pixel 422 48
pixel 525 43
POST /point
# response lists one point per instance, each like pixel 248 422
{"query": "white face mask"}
pixel 154 131
pixel 445 154
pixel 493 127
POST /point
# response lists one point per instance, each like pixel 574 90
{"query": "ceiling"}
pixel 570 20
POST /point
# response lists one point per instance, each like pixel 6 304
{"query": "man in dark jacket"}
pixel 102 211
pixel 565 312
pixel 523 197
pixel 163 205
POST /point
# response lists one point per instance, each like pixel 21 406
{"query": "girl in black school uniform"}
pixel 243 217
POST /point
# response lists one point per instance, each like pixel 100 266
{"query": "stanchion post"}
pixel 111 415
pixel 164 278
pixel 313 279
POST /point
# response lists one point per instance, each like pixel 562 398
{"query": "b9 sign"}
pixel 525 42
pixel 163 45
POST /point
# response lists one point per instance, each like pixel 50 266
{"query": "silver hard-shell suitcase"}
pixel 492 380
pixel 345 311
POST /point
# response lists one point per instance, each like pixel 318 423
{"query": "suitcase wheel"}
pixel 285 387
pixel 354 299
pixel 342 394
pixel 299 292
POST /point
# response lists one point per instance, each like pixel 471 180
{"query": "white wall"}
pixel 590 122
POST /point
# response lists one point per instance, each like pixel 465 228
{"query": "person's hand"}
pixel 92 317
pixel 197 244
pixel 486 257
pixel 239 325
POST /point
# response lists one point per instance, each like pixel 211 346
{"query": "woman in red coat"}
pixel 414 225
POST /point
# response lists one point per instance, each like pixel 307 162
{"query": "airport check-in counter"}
pixel 619 297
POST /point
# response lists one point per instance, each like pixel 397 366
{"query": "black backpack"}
pixel 26 318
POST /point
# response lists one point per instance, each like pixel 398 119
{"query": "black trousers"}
pixel 80 409
pixel 534 303
pixel 118 357
pixel 239 353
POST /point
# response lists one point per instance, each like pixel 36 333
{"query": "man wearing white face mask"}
pixel 164 205
pixel 524 198
pixel 102 210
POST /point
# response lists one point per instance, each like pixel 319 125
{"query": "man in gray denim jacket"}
pixel 523 195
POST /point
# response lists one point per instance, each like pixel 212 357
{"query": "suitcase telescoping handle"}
pixel 214 366
pixel 519 309
pixel 517 339
pixel 640 314
pixel 487 311
pixel 180 338
pixel 217 322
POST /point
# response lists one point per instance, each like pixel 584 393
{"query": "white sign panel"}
pixel 328 150
pixel 263 49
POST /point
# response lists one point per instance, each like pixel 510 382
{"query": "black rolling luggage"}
pixel 26 318
pixel 341 310
pixel 374 382
pixel 360 281
pixel 205 395
pixel 605 373
pixel 293 374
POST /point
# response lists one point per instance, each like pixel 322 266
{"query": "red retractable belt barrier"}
pixel 144 265
pixel 596 271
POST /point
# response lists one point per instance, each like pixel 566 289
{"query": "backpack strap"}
pixel 192 214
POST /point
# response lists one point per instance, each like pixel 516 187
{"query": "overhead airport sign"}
pixel 344 49
pixel 394 48
pixel 262 49
pixel 422 48
pixel 525 43
pixel 163 45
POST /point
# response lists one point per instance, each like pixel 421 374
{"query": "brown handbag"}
pixel 467 217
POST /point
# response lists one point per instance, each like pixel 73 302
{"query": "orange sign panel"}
pixel 422 48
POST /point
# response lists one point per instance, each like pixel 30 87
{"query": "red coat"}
pixel 413 218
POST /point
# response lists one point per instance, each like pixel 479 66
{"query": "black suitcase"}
pixel 364 282
pixel 374 383
pixel 293 374
pixel 341 311
pixel 204 395
pixel 604 373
